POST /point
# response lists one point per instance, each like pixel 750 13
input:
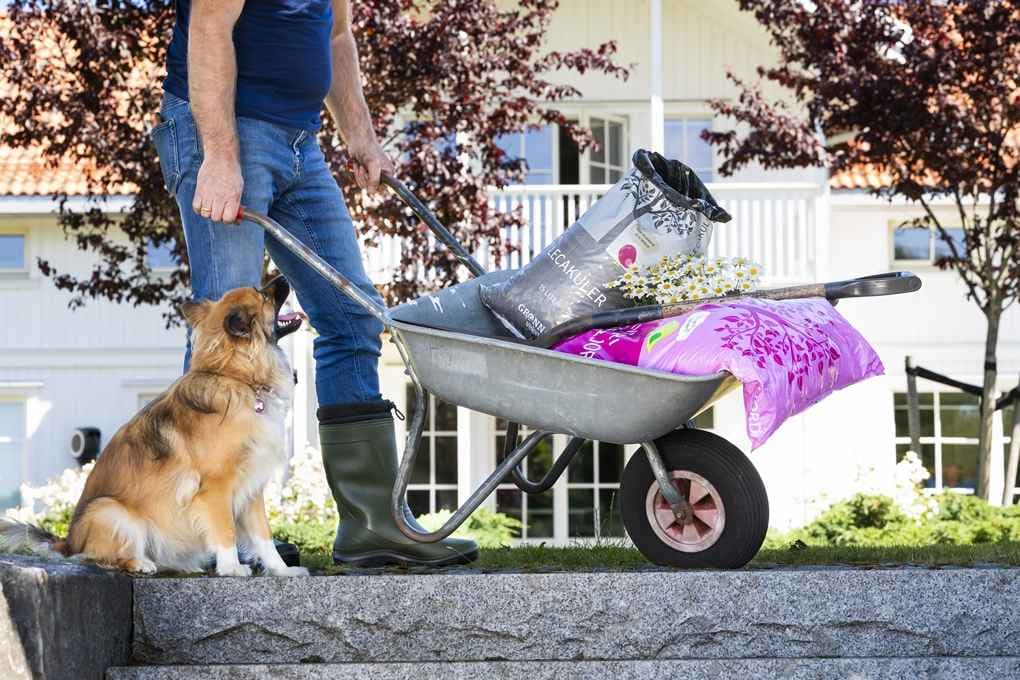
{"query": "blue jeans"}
pixel 286 177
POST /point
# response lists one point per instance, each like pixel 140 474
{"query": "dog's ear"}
pixel 238 323
pixel 195 311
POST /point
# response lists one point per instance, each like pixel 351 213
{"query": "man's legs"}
pixel 359 450
pixel 348 344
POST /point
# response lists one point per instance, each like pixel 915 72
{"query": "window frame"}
pixel 933 240
pixel 596 485
pixel 554 145
pixel 24 271
pixel 936 440
pixel 586 159
pixel 685 119
pixel 525 537
pixel 427 446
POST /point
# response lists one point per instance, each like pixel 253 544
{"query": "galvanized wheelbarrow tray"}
pixel 693 499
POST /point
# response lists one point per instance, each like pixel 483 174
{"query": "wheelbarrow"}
pixel 692 500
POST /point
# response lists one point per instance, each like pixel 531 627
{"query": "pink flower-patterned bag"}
pixel 788 354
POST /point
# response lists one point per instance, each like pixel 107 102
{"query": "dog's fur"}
pixel 183 480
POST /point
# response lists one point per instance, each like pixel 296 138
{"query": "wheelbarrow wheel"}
pixel 731 508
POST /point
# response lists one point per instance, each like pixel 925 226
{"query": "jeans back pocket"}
pixel 164 138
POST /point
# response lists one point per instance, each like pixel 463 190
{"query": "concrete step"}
pixel 909 615
pixel 689 669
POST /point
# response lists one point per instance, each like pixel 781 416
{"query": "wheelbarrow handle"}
pixel 312 259
pixel 428 217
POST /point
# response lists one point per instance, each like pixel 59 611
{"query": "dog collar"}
pixel 262 391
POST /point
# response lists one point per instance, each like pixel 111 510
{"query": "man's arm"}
pixel 346 103
pixel 212 79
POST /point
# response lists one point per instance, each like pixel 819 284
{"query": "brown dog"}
pixel 183 480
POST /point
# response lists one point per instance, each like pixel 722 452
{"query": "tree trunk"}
pixel 1014 454
pixel 993 313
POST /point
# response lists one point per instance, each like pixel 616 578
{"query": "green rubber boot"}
pixel 359 454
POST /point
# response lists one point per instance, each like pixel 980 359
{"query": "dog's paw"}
pixel 233 570
pixel 288 571
pixel 142 566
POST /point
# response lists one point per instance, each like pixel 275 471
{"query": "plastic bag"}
pixel 788 355
pixel 659 208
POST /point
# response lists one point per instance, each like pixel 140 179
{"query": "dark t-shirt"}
pixel 284 68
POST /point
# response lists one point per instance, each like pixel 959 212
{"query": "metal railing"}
pixel 778 224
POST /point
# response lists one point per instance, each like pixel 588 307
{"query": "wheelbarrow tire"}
pixel 725 479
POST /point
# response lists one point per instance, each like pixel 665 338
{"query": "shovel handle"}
pixel 891 283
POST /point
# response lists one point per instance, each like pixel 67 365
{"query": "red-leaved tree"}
pixel 927 93
pixel 443 79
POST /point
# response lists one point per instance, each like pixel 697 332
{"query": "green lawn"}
pixel 539 559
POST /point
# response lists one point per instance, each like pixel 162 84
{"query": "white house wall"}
pixel 702 41
pixel 74 368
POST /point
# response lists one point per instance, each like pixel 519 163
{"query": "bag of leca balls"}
pixel 659 208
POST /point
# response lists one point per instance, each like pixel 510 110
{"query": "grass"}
pixel 618 558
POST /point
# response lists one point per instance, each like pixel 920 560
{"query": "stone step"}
pixel 689 669
pixel 911 614
pixel 61 619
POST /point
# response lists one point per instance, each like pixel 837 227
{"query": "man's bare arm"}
pixel 346 103
pixel 212 80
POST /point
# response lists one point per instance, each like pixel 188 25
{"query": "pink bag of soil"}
pixel 788 354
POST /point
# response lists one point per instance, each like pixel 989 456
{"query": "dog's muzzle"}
pixel 287 323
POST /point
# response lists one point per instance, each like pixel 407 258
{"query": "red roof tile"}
pixel 24 172
pixel 860 177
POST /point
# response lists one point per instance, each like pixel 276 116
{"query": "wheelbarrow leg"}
pixel 462 513
pixel 680 506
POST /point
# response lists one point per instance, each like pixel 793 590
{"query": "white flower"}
pixel 688 276
pixel 53 497
pixel 304 494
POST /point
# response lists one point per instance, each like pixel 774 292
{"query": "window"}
pixel 919 244
pixel 433 484
pixel 161 256
pixel 535 511
pixel 12 252
pixel 12 443
pixel 949 437
pixel 607 161
pixel 536 148
pixel 684 143
pixel 593 484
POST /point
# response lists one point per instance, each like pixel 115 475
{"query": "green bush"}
pixel 488 529
pixel 877 521
pixel 309 537
pixel 57 521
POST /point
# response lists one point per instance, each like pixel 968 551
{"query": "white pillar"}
pixel 476 453
pixel 997 478
pixel 657 113
pixel 301 343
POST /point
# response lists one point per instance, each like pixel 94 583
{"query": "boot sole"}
pixel 384 558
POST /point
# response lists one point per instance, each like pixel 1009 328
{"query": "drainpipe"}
pixel 657 126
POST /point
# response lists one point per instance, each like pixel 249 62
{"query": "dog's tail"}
pixel 19 537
